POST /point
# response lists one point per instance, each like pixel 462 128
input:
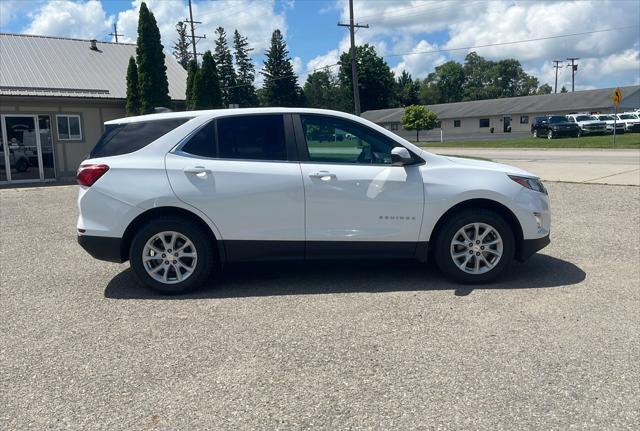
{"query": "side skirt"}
pixel 247 251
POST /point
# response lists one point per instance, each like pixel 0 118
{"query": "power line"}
pixel 457 49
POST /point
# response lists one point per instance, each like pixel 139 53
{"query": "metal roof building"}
pixel 55 95
pixel 479 116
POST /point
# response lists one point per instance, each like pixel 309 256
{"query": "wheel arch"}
pixel 488 204
pixel 170 211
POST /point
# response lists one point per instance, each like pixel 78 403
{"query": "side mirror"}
pixel 401 156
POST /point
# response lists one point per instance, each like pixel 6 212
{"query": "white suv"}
pixel 630 120
pixel 179 194
pixel 589 125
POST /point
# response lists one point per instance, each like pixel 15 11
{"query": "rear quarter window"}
pixel 126 138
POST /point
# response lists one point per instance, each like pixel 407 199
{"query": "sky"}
pixel 411 35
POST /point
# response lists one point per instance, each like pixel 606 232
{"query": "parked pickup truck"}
pixel 610 121
pixel 588 124
pixel 630 120
pixel 553 126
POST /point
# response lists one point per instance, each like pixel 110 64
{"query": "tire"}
pixel 445 249
pixel 535 133
pixel 579 135
pixel 194 269
pixel 550 134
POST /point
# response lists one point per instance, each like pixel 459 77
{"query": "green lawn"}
pixel 628 140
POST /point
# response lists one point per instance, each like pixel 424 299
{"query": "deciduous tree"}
pixel 418 117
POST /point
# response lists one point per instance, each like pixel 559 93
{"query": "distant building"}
pixel 512 114
pixel 55 95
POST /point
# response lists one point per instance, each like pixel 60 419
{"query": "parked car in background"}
pixel 611 121
pixel 179 194
pixel 553 126
pixel 588 124
pixel 630 120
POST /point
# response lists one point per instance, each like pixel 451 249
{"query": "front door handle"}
pixel 323 175
pixel 197 170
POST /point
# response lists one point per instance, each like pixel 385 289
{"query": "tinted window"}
pixel 333 140
pixel 252 137
pixel 203 143
pixel 558 119
pixel 129 137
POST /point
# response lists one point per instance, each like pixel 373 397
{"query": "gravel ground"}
pixel 360 345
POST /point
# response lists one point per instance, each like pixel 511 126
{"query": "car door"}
pixel 358 203
pixel 241 172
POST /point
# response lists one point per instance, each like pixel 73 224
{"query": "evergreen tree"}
pixel 181 46
pixel 226 72
pixel 206 88
pixel 192 70
pixel 375 79
pixel 245 92
pixel 280 83
pixel 133 93
pixel 407 90
pixel 563 89
pixel 152 71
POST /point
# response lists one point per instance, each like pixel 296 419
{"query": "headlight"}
pixel 531 183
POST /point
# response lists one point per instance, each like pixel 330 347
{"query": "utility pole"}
pixel 193 33
pixel 574 69
pixel 354 70
pixel 557 66
pixel 115 32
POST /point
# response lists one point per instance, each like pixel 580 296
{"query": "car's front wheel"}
pixel 535 133
pixel 171 255
pixel 474 246
pixel 550 134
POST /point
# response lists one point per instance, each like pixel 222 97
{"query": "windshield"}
pixel 627 117
pixel 605 117
pixel 557 119
pixel 585 118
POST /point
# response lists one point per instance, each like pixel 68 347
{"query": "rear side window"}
pixel 252 137
pixel 129 137
pixel 203 142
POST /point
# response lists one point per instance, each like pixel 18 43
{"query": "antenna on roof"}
pixel 115 32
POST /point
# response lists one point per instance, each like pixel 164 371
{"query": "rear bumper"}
pixel 102 247
pixel 530 246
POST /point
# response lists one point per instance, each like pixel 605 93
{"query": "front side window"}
pixel 252 137
pixel 69 128
pixel 334 140
pixel 484 122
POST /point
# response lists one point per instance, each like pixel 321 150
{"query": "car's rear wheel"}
pixel 171 255
pixel 475 246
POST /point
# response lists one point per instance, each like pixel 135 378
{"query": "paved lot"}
pixel 384 345
pixel 621 167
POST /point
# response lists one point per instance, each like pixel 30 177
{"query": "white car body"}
pixel 611 121
pixel 589 125
pixel 259 209
pixel 630 120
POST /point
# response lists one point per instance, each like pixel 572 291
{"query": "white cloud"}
pixel 296 62
pixel 254 19
pixel 420 65
pixel 71 19
pixel 10 9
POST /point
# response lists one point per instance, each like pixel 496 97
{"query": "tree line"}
pixel 226 77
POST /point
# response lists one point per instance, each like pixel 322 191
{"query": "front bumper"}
pixel 529 247
pixel 102 247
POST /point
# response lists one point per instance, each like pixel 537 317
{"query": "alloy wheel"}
pixel 169 257
pixel 476 248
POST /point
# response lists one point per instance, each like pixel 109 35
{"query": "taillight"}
pixel 89 174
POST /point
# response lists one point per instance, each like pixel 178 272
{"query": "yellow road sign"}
pixel 617 96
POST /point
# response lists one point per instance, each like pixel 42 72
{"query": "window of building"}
pixel 484 122
pixel 252 137
pixel 69 128
pixel 456 123
pixel 203 143
pixel 524 119
pixel 333 140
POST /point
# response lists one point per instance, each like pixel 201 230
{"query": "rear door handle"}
pixel 323 175
pixel 197 170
